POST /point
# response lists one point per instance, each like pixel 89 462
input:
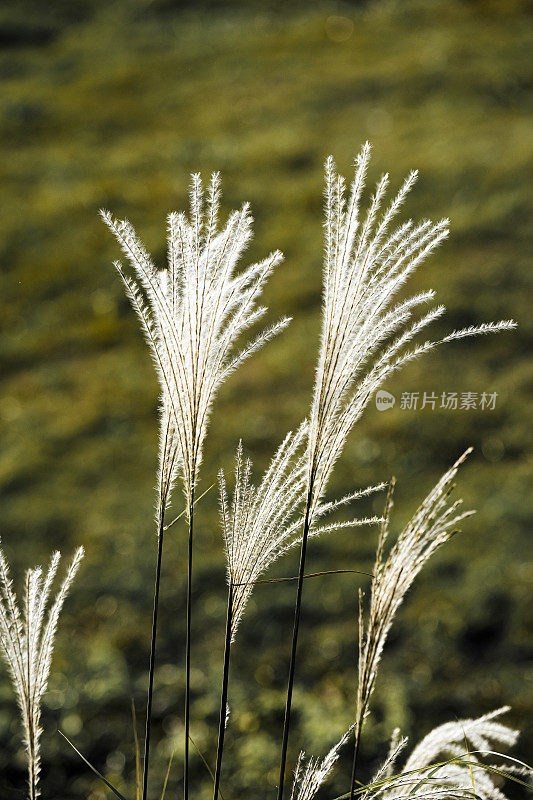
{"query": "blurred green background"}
pixel 113 104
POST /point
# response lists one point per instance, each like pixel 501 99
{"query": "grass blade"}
pixel 93 769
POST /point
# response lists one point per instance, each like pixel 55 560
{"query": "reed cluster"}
pixel 193 313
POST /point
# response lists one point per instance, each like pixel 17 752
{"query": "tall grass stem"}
pixel 295 631
pixel 224 694
pixel 157 583
pixel 354 761
pixel 190 515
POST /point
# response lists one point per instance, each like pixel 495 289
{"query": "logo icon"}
pixel 384 400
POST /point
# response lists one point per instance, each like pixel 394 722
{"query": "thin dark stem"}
pixel 31 766
pixel 224 694
pixel 292 667
pixel 160 536
pixel 31 762
pixel 190 514
pixel 354 763
pixel 29 710
pixel 309 575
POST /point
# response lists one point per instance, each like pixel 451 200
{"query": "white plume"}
pixel 262 522
pixel 256 525
pixel 26 642
pixel 450 762
pixel 309 778
pixel 192 313
pixel 365 265
pixel 432 525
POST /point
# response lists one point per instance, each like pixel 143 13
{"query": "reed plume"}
pixel 309 778
pixel 447 763
pixel 192 313
pixel 27 642
pixel 262 522
pixel 256 525
pixel 365 266
pixel 364 337
pixel 433 524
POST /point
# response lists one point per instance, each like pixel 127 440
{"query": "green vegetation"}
pixel 113 105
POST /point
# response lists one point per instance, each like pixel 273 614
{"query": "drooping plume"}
pixel 433 524
pixel 27 641
pixel 192 313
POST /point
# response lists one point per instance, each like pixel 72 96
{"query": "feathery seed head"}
pixel 26 642
pixel 192 313
pixel 364 336
pixel 261 523
pixel 431 526
pixel 461 745
pixel 309 779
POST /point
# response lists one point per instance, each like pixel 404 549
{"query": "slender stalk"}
pixel 224 693
pixel 160 536
pixel 361 704
pixel 190 515
pixel 354 762
pixel 33 782
pixel 296 626
pixel 31 768
pixel 29 709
